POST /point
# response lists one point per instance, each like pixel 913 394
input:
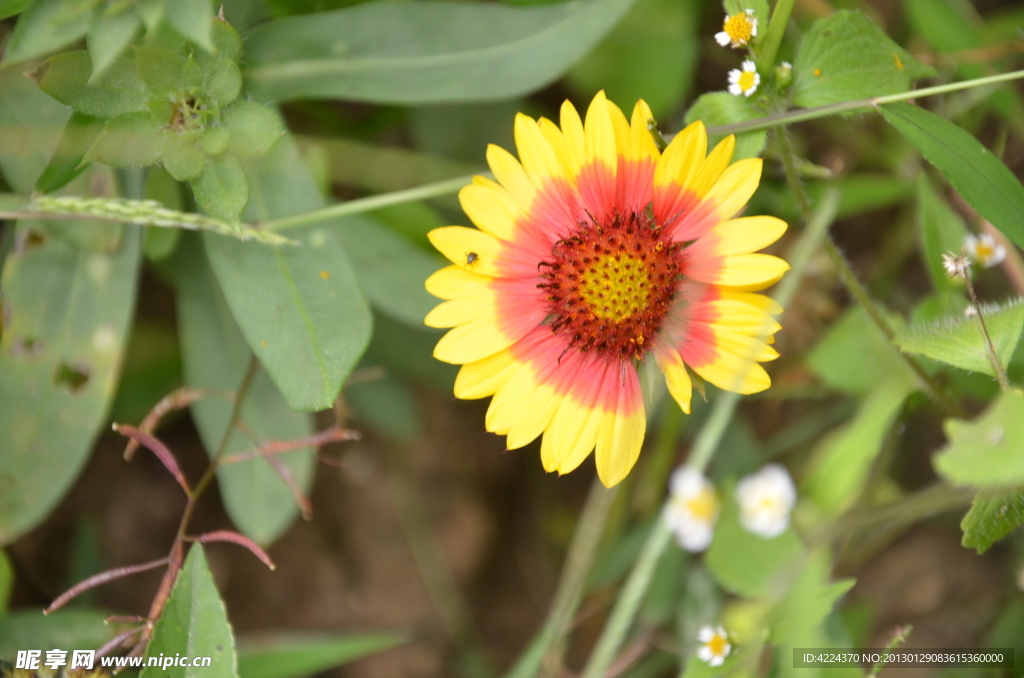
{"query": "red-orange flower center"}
pixel 610 285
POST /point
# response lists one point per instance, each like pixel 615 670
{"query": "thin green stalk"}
pixel 993 357
pixel 853 284
pixel 373 202
pixel 545 652
pixel 773 37
pixel 639 580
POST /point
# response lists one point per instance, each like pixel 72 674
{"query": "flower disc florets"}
pixel 611 285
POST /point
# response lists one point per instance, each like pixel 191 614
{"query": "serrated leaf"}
pixel 67 161
pixel 193 19
pixel 222 190
pixel 959 341
pixel 390 269
pixel 744 563
pixel 722 108
pixel 840 465
pixel 942 231
pixel 215 357
pixel 971 169
pixel 66 76
pixel 989 451
pixel 254 128
pixel 47 26
pixel 110 34
pixel 183 157
pixel 423 52
pixel 846 56
pixel 299 307
pixel 65 324
pixel 993 515
pixel 160 68
pixel 296 656
pixel 193 622
pixel 129 140
pixel 223 82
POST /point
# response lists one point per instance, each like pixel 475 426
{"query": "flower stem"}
pixel 776 31
pixel 997 365
pixel 853 284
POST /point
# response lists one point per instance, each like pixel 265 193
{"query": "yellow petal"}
pixel 455 282
pixel 492 209
pixel 575 139
pixel 743 318
pixel 484 377
pixel 460 311
pixel 678 381
pixel 619 440
pixel 713 166
pixel 761 301
pixel 534 416
pixel 511 399
pixel 573 431
pixel 557 141
pixel 473 341
pixel 747 234
pixel 622 131
pixel 734 188
pixel 641 139
pixel 745 346
pixel 511 175
pixel 729 372
pixel 469 248
pixel 683 157
pixel 751 271
pixel 535 152
pixel 600 134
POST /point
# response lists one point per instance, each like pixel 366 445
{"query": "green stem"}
pixel 773 37
pixel 373 202
pixel 545 652
pixel 854 285
pixel 993 357
pixel 639 580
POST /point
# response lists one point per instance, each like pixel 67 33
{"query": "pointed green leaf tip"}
pixel 989 451
pixel 194 623
pixel 993 515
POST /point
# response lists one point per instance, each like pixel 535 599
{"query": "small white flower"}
pixel 692 510
pixel 715 645
pixel 766 499
pixel 970 311
pixel 744 82
pixel 738 29
pixel 984 250
pixel 956 265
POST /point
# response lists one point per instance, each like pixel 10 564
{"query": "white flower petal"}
pixel 722 38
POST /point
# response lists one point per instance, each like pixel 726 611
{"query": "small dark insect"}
pixel 471 258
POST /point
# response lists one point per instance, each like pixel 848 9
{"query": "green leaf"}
pixel 65 326
pixel 744 563
pixel 989 451
pixel 68 629
pixel 47 26
pixel 215 357
pixel 160 68
pixel 215 140
pixel 973 171
pixel 119 90
pixel 722 108
pixel 254 128
pixel 9 8
pixel 194 622
pixel 296 656
pixel 808 601
pixel 993 515
pixel 6 582
pixel 30 128
pixel 222 190
pixel 840 466
pixel 151 12
pixel 423 52
pixel 68 158
pixel 159 243
pixel 390 270
pixel 299 307
pixel 959 341
pixel 110 33
pixel 129 140
pixel 651 54
pixel 183 157
pixel 97 236
pixel 227 43
pixel 193 19
pixel 942 231
pixel 855 357
pixel 223 82
pixel 846 56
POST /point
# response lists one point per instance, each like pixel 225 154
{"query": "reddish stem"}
pixel 118 640
pixel 176 400
pixel 99 580
pixel 304 504
pixel 271 447
pixel 235 538
pixel 162 452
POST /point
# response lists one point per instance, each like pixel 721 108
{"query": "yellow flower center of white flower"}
pixel 703 506
pixel 984 251
pixel 717 645
pixel 616 286
pixel 739 28
pixel 746 80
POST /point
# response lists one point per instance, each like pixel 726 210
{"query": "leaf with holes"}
pixel 60 355
pixel 298 307
pixel 993 515
pixel 215 358
pixel 989 451
pixel 194 622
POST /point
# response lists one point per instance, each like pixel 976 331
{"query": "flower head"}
pixel 596 252
pixel 984 250
pixel 692 509
pixel 738 29
pixel 766 499
pixel 744 81
pixel 956 265
pixel 715 645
